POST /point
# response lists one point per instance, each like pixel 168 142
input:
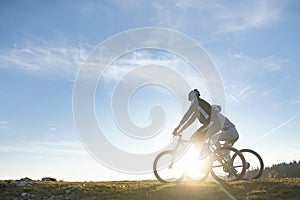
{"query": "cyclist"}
pixel 201 110
pixel 211 118
pixel 228 133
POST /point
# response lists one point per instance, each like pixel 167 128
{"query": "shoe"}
pixel 233 171
pixel 247 165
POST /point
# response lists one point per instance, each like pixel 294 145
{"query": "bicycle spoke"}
pixel 255 164
pixel 167 169
pixel 228 168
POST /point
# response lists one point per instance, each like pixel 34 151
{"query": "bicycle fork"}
pixel 172 160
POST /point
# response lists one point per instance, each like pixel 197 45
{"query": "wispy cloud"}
pixel 3 125
pixel 277 127
pixel 46 147
pixel 247 15
pixel 253 71
pixel 44 58
pixel 235 99
pixel 245 91
pixel 52 129
pixel 242 93
pixel 270 63
pixel 268 92
pixel 139 59
pixel 149 66
pixel 218 17
pixel 294 101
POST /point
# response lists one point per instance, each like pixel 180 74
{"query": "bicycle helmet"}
pixel 217 108
pixel 193 94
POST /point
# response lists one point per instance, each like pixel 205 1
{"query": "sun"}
pixel 194 167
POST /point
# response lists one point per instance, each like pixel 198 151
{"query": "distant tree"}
pixel 283 170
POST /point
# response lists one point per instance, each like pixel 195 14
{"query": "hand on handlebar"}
pixel 176 132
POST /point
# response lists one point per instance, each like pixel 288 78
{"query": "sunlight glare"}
pixel 194 167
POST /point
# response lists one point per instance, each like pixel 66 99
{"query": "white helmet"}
pixel 217 108
pixel 193 94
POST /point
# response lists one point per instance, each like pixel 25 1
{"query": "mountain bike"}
pixel 224 163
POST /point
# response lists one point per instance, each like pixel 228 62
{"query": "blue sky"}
pixel 254 45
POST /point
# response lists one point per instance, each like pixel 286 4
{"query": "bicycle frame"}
pixel 210 147
pixel 180 141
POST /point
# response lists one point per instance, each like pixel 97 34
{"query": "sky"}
pixel 253 44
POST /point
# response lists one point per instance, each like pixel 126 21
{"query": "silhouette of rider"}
pixel 211 119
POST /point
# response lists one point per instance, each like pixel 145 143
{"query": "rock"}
pixel 30 184
pixel 288 185
pixel 48 179
pixel 23 184
pixel 24 194
pixel 7 183
pixel 68 191
pixel 248 198
pixel 20 184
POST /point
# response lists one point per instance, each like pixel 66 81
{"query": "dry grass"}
pixel 148 189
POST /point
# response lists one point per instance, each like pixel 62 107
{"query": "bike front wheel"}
pixel 227 164
pixel 168 168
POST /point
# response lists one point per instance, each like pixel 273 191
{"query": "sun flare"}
pixel 194 167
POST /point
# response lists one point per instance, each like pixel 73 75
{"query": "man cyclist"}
pixel 211 118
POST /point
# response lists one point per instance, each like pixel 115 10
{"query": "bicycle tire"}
pixel 157 171
pixel 236 176
pixel 261 163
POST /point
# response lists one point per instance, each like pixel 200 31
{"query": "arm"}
pixel 186 116
pixel 186 119
pixel 188 122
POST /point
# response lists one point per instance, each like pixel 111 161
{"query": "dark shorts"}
pixel 198 138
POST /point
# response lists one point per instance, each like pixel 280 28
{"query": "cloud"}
pixel 294 101
pixel 52 129
pixel 242 94
pixel 277 127
pixel 268 92
pixel 138 59
pixel 269 64
pixel 259 76
pixel 217 17
pixel 211 19
pixel 235 99
pixel 144 64
pixel 45 147
pixel 247 15
pixel 44 58
pixel 245 91
pixel 3 125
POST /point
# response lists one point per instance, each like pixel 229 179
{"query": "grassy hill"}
pixel 288 188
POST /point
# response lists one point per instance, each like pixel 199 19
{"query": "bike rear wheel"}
pixel 227 164
pixel 254 164
pixel 167 167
